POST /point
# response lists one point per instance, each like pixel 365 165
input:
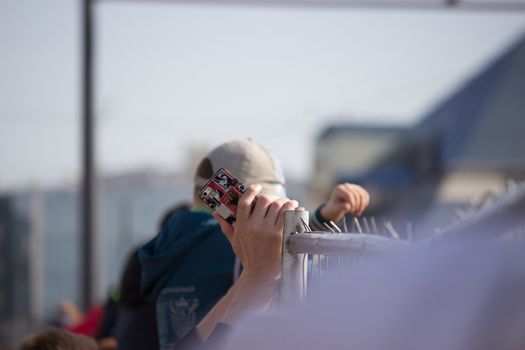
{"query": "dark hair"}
pixel 168 213
pixel 51 338
pixel 130 296
pixel 130 283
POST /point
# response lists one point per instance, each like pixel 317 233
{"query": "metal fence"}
pixel 310 256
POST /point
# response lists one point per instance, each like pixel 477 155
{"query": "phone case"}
pixel 221 193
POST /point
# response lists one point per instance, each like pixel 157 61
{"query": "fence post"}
pixel 293 269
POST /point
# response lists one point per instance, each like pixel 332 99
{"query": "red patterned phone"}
pixel 221 193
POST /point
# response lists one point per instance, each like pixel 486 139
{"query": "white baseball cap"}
pixel 250 162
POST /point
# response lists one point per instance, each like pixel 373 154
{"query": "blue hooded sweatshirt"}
pixel 187 268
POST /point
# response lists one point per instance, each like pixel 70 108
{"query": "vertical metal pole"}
pixel 37 254
pixel 88 191
pixel 293 269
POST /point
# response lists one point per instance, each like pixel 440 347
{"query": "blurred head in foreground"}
pixel 51 338
pixel 460 296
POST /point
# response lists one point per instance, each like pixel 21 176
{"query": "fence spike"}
pixel 328 227
pixel 358 225
pixel 367 227
pixel 335 226
pixel 374 226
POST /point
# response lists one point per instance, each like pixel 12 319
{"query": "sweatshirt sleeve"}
pixel 317 222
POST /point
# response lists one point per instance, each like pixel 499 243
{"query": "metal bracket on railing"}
pixel 293 270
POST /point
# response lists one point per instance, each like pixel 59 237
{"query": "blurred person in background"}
pixel 96 323
pixel 51 338
pixel 126 318
pixel 189 265
pixel 88 323
pixel 136 324
pixel 67 314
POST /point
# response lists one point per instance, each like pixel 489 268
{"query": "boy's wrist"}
pixel 320 214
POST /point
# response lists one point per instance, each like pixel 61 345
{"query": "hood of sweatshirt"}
pixel 190 245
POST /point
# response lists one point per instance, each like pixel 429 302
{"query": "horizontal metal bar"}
pixel 516 5
pixel 339 243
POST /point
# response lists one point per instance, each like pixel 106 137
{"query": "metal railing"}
pixel 308 256
pixel 505 216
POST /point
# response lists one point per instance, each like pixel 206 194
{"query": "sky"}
pixel 172 76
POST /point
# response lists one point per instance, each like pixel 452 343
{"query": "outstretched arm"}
pixel 256 239
pixel 344 199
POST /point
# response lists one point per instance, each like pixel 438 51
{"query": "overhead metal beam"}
pixel 470 5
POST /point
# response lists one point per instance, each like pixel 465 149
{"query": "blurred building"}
pixel 15 299
pixel 469 146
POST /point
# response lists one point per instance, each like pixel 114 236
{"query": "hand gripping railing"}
pixel 298 245
pixel 505 217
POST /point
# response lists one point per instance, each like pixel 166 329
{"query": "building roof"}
pixel 483 124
